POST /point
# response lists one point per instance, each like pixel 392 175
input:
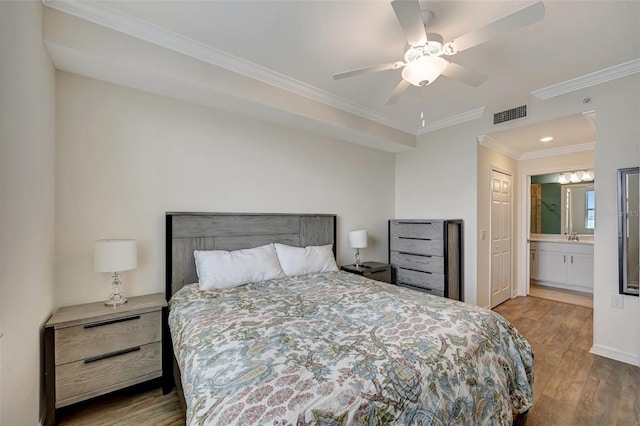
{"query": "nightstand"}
pixel 374 270
pixel 93 349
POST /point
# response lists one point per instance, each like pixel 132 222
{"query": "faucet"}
pixel 574 237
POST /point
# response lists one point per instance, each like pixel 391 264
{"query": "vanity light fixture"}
pixel 587 176
pixel 575 177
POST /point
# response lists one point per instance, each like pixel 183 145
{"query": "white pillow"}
pixel 307 260
pixel 225 269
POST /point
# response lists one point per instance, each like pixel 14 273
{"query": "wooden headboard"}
pixel 186 232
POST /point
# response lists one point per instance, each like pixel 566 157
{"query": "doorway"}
pixel 523 152
pixel 560 236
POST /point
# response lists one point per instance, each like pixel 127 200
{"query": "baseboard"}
pixel 612 353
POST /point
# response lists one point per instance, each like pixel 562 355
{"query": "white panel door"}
pixel 500 237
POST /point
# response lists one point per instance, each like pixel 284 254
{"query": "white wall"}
pixel 125 157
pixel 438 179
pixel 615 331
pixel 27 133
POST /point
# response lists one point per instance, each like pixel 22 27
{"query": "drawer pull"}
pixel 414 254
pixel 111 355
pixel 413 238
pixel 113 321
pixel 415 286
pixel 416 270
pixel 413 223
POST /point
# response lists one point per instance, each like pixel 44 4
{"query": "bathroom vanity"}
pixel 558 262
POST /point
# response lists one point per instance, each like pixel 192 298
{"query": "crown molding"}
pixel 102 14
pixel 589 146
pixel 489 142
pixel 588 80
pixel 452 121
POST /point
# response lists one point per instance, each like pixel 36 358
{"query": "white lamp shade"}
pixel 115 255
pixel 424 71
pixel 358 239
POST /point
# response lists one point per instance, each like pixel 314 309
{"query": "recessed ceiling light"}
pixel 546 139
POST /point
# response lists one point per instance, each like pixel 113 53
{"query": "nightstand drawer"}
pixel 425 280
pixel 383 275
pixel 100 337
pixel 79 380
pixel 418 263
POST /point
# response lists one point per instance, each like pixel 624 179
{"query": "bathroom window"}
pixel 590 216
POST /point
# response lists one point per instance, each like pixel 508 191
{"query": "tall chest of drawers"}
pixel 427 255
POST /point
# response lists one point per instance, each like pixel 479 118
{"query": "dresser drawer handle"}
pixel 414 254
pixel 413 238
pixel 413 223
pixel 415 286
pixel 111 355
pixel 113 321
pixel 415 270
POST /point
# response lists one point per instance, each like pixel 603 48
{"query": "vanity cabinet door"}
pixel 580 270
pixel 552 266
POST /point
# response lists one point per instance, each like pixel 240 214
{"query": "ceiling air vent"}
pixel 510 114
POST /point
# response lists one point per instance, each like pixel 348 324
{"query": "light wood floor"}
pixel 572 386
pixel 561 295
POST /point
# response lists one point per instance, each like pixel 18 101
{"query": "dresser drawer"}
pixel 427 280
pixel 417 246
pixel 438 293
pixel 100 337
pixel 426 229
pixel 418 263
pixel 91 377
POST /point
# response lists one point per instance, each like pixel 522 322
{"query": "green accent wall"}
pixel 551 206
pixel 549 178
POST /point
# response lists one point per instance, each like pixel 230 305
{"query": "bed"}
pixel 330 348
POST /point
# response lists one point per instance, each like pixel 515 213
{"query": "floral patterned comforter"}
pixel 336 349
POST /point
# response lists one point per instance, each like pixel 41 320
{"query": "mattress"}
pixel 338 348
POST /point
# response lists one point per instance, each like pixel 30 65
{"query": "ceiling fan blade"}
pixel 512 22
pixel 368 70
pixel 410 18
pixel 397 92
pixel 464 74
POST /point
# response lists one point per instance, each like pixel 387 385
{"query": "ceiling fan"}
pixel 423 58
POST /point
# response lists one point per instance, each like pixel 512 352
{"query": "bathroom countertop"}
pixel 546 238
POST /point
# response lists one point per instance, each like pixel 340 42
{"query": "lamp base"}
pixel 116 298
pixel 115 301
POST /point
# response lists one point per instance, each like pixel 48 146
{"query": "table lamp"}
pixel 358 240
pixel 115 256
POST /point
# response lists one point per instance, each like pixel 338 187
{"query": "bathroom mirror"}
pixel 628 206
pixel 562 208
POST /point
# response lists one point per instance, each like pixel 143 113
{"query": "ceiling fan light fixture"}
pixel 424 70
pixel 448 49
